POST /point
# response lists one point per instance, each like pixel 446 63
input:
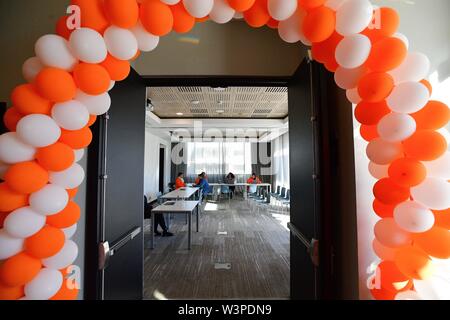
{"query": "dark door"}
pixel 162 162
pixel 114 262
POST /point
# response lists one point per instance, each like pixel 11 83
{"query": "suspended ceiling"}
pixel 207 102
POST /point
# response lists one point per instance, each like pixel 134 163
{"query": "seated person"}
pixel 231 179
pixel 179 182
pixel 199 177
pixel 254 179
pixel 203 184
pixel 159 220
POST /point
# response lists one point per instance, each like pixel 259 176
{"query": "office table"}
pixel 176 207
pixel 182 193
pixel 242 184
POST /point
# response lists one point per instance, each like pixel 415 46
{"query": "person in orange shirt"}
pixel 179 182
pixel 254 179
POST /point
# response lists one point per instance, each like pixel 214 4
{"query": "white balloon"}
pixel 31 68
pixel 221 12
pixel 54 51
pixel 348 78
pixel 435 287
pixel 408 295
pixel 111 85
pixel 24 222
pixel 49 200
pixel 353 95
pixel 378 171
pixel 383 152
pixel 353 51
pixel 79 154
pixel 281 9
pixel 70 115
pixel 413 217
pixel 353 16
pixel 408 97
pixel 402 37
pixel 146 41
pixel 439 168
pixel 9 246
pixel 415 67
pixel 290 29
pixel 45 285
pixel 170 2
pixel 38 130
pixel 121 43
pixel 3 168
pixel 96 105
pixel 396 127
pixel 88 45
pixel 198 8
pixel 68 179
pixel 13 150
pixel 63 258
pixel 334 4
pixel 434 193
pixel 70 231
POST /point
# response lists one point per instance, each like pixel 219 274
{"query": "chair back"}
pixel 171 186
pixel 283 192
pixel 288 194
pixel 278 189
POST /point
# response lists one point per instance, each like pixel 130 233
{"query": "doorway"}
pixel 162 169
pixel 315 247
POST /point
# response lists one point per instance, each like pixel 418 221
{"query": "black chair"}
pixel 282 194
pixel 286 200
pixel 171 186
pixel 276 194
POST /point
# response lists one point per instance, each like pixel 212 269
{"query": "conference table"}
pixel 185 207
pixel 182 193
pixel 244 185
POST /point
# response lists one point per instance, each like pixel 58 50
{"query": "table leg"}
pixel 152 234
pixel 197 217
pixel 189 229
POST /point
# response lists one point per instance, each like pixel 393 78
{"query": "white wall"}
pixel 151 168
pixel 427 26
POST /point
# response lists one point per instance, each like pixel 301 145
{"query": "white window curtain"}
pixel 217 159
pixel 280 163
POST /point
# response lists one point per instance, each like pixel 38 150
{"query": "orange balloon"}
pixel 272 23
pixel 122 13
pixel 156 17
pixel 56 85
pixel 203 19
pixel 11 118
pixel 66 218
pixel 26 177
pixel 386 54
pixel 182 21
pixel 92 119
pixel 376 86
pixel 241 5
pixel 391 278
pixel 258 15
pixel 370 113
pixel 407 172
pixel 19 270
pixel 387 20
pixel 425 145
pixel 442 218
pixel 118 69
pixel 433 116
pixel 92 79
pixel 325 51
pixel 27 100
pixel 427 84
pixel 66 293
pixel 46 243
pixel 413 263
pixel 92 14
pixel 310 4
pixel 62 29
pixel 77 139
pixel 435 242
pixel 11 293
pixel 383 210
pixel 389 192
pixel 319 24
pixel 72 193
pixel 56 157
pixel 331 65
pixel 368 133
pixel 10 200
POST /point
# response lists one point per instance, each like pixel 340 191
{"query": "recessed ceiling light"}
pixel 220 111
pixel 220 102
pixel 219 89
pixel 195 101
pixel 179 113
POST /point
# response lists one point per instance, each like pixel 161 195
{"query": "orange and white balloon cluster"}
pixel 73 70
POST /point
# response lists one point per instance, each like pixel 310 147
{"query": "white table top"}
pixel 176 207
pixel 182 193
pixel 239 184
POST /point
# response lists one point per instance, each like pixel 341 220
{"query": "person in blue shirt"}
pixel 203 184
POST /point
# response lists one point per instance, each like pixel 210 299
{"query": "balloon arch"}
pixel 67 88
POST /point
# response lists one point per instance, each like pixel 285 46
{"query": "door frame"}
pixel 330 281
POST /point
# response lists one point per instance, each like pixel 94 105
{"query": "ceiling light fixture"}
pixel 195 101
pixel 219 89
pixel 220 111
pixel 179 113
